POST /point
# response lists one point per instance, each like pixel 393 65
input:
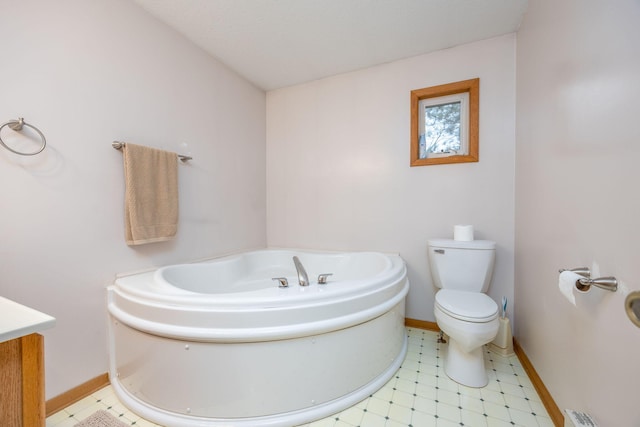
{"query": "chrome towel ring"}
pixel 17 126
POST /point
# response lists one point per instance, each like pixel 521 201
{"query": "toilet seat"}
pixel 468 306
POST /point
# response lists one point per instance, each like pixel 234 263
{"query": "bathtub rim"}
pixel 170 294
pixel 256 334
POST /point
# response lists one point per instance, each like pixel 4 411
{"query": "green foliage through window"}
pixel 441 129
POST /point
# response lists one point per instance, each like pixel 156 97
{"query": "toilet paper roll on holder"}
pixel 608 283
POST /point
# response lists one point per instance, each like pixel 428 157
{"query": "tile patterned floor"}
pixel 419 395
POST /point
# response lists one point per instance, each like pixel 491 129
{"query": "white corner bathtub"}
pixel 218 343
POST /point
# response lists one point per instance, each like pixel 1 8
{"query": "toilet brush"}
pixel 504 307
pixel 503 342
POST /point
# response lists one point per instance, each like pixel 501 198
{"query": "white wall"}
pixel 87 73
pixel 578 143
pixel 338 174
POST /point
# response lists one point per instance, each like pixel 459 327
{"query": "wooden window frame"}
pixel 470 86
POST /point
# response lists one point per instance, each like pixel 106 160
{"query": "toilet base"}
pixel 466 368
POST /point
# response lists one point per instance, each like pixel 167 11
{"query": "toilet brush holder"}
pixel 503 342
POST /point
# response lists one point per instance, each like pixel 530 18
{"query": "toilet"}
pixel 463 270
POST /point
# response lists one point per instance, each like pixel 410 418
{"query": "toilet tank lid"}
pixel 460 244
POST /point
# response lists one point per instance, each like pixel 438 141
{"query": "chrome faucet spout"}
pixel 303 279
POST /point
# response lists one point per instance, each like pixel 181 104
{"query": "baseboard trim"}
pixel 547 400
pixel 421 324
pixel 70 397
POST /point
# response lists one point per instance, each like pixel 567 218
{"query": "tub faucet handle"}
pixel 283 282
pixel 322 278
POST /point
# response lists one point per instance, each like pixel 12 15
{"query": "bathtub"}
pixel 219 343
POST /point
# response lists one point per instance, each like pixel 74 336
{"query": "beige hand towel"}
pixel 151 194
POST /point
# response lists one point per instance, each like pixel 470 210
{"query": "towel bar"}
pixel 118 145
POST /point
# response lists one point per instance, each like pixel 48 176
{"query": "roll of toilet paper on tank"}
pixel 463 233
pixel 567 285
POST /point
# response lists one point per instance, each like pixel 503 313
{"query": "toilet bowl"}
pixel 470 320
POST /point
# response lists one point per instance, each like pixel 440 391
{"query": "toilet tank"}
pixel 466 266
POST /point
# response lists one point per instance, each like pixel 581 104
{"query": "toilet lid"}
pixel 469 306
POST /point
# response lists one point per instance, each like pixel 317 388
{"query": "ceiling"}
pixel 278 43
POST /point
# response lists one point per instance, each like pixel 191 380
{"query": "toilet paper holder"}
pixel 608 283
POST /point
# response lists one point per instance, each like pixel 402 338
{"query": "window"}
pixel 444 123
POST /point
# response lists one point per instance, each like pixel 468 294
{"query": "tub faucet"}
pixel 303 279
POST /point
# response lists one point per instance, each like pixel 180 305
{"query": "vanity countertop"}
pixel 17 321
